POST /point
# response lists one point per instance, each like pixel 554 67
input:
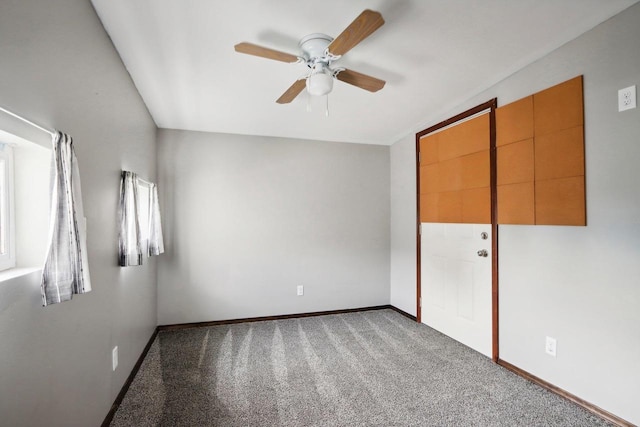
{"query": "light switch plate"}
pixel 627 98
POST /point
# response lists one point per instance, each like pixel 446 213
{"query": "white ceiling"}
pixel 433 54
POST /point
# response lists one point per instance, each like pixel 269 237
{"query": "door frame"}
pixel 491 106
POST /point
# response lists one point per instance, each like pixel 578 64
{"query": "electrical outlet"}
pixel 114 358
pixel 627 98
pixel 300 290
pixel 550 346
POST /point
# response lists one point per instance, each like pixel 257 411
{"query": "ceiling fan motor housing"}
pixel 314 47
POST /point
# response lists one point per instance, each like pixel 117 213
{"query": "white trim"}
pixel 8 259
pixel 15 273
pixel 27 121
pixel 457 122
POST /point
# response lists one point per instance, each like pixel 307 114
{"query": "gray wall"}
pixel 403 225
pixel 579 285
pixel 247 219
pixel 58 68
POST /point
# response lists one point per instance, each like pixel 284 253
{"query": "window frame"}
pixel 7 209
pixel 143 214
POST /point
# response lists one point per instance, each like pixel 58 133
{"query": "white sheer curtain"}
pixel 156 242
pixel 129 241
pixel 140 226
pixel 66 267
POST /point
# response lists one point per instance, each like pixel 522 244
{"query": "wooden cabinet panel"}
pixel 475 170
pixel 516 203
pixel 541 179
pixel 429 179
pixel 466 206
pixel 476 206
pixel 429 207
pixel 455 174
pixel 466 138
pixel 516 162
pixel 429 149
pixel 560 201
pixel 560 154
pixel 514 122
pixel 450 206
pixel 450 175
pixel 559 107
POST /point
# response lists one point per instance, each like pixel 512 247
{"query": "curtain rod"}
pixel 144 181
pixel 29 122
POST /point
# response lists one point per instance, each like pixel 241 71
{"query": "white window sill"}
pixel 12 273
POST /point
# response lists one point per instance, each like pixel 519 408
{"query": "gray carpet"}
pixel 374 368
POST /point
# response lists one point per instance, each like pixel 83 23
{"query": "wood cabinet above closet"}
pixel 540 158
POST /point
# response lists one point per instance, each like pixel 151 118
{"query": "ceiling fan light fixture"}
pixel 320 83
pixel 319 51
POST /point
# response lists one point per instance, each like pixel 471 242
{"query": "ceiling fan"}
pixel 319 51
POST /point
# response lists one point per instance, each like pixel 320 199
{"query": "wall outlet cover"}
pixel 550 346
pixel 300 290
pixel 627 98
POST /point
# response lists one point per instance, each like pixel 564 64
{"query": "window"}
pixel 144 210
pixel 7 224
pixel 24 202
